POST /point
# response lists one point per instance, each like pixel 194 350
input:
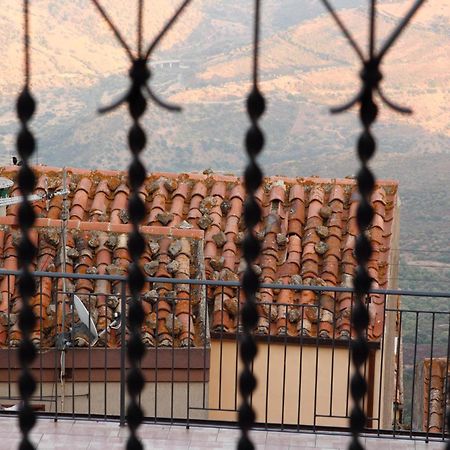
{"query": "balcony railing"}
pixel 192 365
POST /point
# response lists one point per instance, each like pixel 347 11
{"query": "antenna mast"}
pixel 63 255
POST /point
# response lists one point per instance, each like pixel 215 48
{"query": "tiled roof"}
pixel 308 235
pixel 434 394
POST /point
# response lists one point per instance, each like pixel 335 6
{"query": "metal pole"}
pixel 123 303
pixel 63 249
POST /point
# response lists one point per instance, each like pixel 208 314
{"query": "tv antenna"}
pixel 67 339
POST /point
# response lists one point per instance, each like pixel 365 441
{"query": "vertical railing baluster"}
pixel 26 250
pixel 123 312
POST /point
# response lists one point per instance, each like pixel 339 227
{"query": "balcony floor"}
pixel 91 435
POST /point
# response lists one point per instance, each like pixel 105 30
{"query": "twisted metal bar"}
pixel 371 78
pixel 137 104
pixel 253 177
pixel 26 250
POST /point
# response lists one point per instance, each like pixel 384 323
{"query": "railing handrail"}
pixel 204 282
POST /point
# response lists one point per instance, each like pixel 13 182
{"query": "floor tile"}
pixel 100 435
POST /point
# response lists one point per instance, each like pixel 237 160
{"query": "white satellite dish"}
pixel 85 317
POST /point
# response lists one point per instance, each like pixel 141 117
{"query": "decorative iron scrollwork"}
pixel 137 104
pixel 371 78
pixel 253 178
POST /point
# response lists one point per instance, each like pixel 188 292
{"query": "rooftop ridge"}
pixel 197 176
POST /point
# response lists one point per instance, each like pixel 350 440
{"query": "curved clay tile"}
pixel 313 217
pixel 232 222
pixel 259 195
pixel 310 269
pixel 310 237
pixel 210 250
pixel 176 210
pixel 182 190
pixel 294 259
pixel 224 314
pixel 343 320
pixel 162 312
pixel 309 248
pixel 41 184
pixel 80 200
pixel 55 208
pixel 348 258
pixel 334 247
pixel 295 226
pixel 230 252
pixel 164 258
pixel 277 193
pixel 13 210
pixel 237 196
pixel 269 260
pixel 85 185
pixel 284 298
pixel 10 263
pixel 309 312
pixel 158 205
pixel 294 245
pixel 214 234
pixel 102 287
pixel 199 191
pixel 316 193
pixel 330 267
pixel 99 205
pixel 237 191
pixel 297 192
pixel 336 194
pixel 378 221
pixel 377 321
pixel 218 189
pixel 230 255
pixel 296 216
pixel 326 317
pixel 183 258
pixel 119 203
pixel 376 234
pixel 379 195
pixel 102 255
pixel 183 312
pixel 330 270
pixel 352 225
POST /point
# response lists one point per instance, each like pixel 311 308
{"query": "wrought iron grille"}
pixel 136 101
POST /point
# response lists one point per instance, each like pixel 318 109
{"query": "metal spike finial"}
pixel 137 104
pixel 371 78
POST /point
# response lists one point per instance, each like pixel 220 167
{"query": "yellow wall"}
pixel 330 367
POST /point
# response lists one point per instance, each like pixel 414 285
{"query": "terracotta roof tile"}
pixel 308 230
pixel 433 393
